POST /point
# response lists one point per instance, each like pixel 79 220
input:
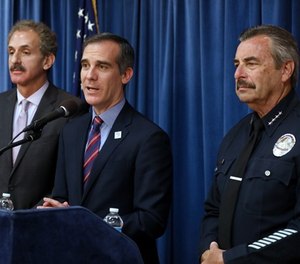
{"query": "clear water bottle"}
pixel 114 219
pixel 6 203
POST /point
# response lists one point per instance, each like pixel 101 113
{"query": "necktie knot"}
pixel 97 123
pixel 24 108
pixel 24 105
pixel 258 126
pixel 19 126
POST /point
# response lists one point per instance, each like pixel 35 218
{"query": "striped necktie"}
pixel 92 148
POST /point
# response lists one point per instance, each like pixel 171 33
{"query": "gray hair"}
pixel 48 43
pixel 283 48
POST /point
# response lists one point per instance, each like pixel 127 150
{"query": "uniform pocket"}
pixel 267 186
pixel 221 172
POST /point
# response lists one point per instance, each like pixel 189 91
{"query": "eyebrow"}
pixel 23 46
pixel 247 59
pixel 98 62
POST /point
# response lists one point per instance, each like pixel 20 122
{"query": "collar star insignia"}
pixel 275 118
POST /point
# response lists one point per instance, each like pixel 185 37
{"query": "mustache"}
pixel 243 83
pixel 17 68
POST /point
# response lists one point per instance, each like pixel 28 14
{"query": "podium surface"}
pixel 62 235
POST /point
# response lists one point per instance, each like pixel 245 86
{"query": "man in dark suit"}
pixel 133 169
pixel 27 173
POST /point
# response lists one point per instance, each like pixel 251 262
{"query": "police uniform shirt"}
pixel 269 196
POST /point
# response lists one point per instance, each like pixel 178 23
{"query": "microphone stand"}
pixel 33 135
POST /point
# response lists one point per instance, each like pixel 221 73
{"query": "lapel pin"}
pixel 118 134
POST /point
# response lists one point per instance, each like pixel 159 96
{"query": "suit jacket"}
pixel 132 172
pixel 32 176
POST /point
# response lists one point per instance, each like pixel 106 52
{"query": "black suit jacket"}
pixel 132 173
pixel 32 177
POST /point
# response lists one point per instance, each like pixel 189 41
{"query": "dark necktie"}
pixel 92 148
pixel 230 194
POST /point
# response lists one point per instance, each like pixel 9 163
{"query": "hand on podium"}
pixel 51 203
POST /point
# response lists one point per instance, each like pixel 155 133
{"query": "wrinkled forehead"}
pixel 258 47
pixel 24 37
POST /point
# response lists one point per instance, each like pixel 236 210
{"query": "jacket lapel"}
pixel 46 106
pixel 7 118
pixel 76 157
pixel 115 138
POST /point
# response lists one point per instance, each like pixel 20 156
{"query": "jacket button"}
pixel 267 173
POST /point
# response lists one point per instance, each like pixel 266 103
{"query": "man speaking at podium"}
pixel 131 167
pixel 27 171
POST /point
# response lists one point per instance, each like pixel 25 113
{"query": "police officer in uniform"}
pixel 252 215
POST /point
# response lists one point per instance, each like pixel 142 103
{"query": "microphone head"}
pixel 71 107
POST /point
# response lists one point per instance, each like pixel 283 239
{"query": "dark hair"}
pixel 48 42
pixel 126 56
pixel 283 48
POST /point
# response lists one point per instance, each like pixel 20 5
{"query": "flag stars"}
pixel 90 26
pixel 80 12
pixel 86 26
pixel 78 33
pixel 86 18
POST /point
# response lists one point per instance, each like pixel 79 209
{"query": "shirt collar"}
pixel 36 97
pixel 110 115
pixel 278 113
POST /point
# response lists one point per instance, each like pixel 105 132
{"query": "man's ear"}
pixel 48 61
pixel 127 75
pixel 287 70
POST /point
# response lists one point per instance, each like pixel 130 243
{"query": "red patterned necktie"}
pixel 92 148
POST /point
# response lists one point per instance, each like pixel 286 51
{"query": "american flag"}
pixel 87 25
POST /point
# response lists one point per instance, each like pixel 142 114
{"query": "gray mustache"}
pixel 17 68
pixel 243 83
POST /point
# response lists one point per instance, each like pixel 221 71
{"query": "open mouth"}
pixel 90 88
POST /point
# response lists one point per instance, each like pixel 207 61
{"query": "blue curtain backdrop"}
pixel 183 80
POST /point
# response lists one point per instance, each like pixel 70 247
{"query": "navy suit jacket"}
pixel 132 173
pixel 32 176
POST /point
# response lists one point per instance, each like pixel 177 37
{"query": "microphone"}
pixel 67 108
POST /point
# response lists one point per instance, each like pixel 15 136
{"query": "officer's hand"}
pixel 204 255
pixel 213 256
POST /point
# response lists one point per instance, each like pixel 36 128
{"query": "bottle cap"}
pixel 6 195
pixel 114 210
